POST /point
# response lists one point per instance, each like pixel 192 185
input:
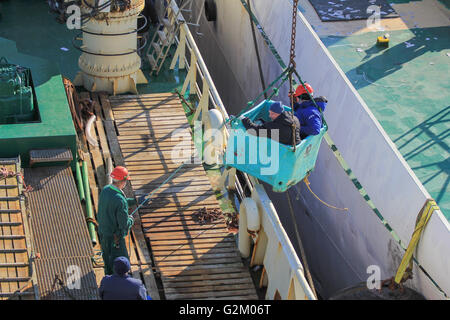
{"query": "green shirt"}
pixel 112 217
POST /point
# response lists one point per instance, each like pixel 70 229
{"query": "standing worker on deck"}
pixel 113 219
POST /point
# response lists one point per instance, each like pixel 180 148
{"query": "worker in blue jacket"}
pixel 113 219
pixel 120 285
pixel 308 115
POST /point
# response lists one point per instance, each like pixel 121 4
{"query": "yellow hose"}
pixel 306 181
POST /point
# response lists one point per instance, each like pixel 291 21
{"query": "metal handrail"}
pixel 252 183
pixel 77 38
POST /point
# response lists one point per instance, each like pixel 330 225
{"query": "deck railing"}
pixel 283 272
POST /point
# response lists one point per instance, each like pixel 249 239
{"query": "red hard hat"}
pixel 120 173
pixel 301 90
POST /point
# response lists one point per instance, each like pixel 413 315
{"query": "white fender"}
pixel 247 209
pixel 109 168
pixel 214 126
pixel 88 127
pixel 253 218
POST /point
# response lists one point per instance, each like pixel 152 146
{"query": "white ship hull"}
pixel 340 245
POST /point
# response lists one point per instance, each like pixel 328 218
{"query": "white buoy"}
pixel 248 210
pixel 213 137
pixel 109 60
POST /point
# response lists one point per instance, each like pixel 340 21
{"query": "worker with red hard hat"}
pixel 113 219
pixel 302 90
pixel 305 110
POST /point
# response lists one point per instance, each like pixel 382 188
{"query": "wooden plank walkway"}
pixel 195 261
pixel 97 159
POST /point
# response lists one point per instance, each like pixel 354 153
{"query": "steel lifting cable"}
pixel 283 77
pixel 291 95
pixel 291 209
pixel 292 68
pixel 149 195
pixel 300 245
pixel 274 51
pixel 261 75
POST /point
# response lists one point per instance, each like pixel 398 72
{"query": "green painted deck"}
pixel 407 88
pixel 55 128
pixel 406 85
pixel 47 50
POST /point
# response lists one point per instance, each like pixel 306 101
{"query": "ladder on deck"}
pixel 15 252
pixel 163 38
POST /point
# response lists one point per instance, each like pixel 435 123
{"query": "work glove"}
pixel 245 120
pixel 130 221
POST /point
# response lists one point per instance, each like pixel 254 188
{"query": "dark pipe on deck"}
pixel 79 181
pixel 89 210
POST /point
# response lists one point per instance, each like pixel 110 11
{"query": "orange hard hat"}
pixel 120 173
pixel 301 90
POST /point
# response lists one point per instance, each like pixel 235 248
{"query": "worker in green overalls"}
pixel 113 219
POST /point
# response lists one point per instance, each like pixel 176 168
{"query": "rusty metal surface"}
pixel 60 234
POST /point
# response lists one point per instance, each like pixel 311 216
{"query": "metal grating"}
pixel 50 155
pixel 60 233
pixel 49 270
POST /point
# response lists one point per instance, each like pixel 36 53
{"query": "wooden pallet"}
pixel 195 261
pixel 15 276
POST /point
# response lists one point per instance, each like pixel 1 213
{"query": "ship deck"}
pixel 416 61
pixel 190 260
pixel 193 260
pixel 405 85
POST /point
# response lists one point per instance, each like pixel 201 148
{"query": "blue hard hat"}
pixel 276 107
pixel 121 265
